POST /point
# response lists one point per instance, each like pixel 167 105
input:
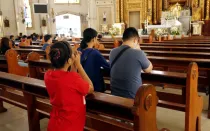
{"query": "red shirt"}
pixel 67 92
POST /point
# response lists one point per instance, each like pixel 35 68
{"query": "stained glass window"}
pixel 27 14
pixel 67 1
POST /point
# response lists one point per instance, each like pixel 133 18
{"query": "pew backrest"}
pixel 13 66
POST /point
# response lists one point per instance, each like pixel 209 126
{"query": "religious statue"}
pixel 104 17
pixel 6 22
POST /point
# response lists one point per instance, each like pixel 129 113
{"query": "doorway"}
pixel 134 19
pixel 65 22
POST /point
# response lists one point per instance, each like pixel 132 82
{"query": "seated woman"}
pixel 67 89
pixel 23 41
pixel 29 40
pixel 92 60
pixel 6 44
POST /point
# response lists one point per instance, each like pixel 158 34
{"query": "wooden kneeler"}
pixel 194 102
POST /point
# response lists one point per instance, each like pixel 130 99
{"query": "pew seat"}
pixel 34 89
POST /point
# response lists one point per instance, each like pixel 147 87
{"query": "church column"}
pixel 149 12
pixel 117 8
pixel 207 9
pixel 203 7
pixel 122 11
pixel 52 17
pixel 154 12
pixel 19 11
pixel 92 20
pixel 159 10
pixel 165 4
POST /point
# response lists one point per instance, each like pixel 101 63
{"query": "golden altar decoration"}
pixel 196 14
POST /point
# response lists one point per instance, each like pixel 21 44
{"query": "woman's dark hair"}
pixel 59 54
pixel 88 35
pixel 4 45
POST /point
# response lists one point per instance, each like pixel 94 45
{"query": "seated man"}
pixel 127 62
pixel 48 41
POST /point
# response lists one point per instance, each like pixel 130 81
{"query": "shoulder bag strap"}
pixel 118 56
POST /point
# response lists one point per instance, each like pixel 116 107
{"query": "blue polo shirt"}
pixel 92 66
pixel 45 46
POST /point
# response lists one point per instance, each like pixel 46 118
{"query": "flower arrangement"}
pixel 175 31
pixel 114 31
pixel 158 32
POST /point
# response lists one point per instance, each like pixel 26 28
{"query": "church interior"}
pixel 50 81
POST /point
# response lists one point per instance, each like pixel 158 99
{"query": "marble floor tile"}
pixel 15 119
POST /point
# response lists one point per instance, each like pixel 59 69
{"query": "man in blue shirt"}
pixel 126 70
pixel 48 41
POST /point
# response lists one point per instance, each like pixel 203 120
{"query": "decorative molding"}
pixel 207 9
pixel 104 2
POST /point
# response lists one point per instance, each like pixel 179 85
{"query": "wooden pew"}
pixel 177 44
pixel 23 52
pixel 184 41
pixel 169 48
pixel 141 111
pixel 31 47
pixel 165 79
pixel 3 63
pixel 179 54
pixel 177 48
pixel 13 66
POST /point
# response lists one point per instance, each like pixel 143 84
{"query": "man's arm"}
pixel 149 69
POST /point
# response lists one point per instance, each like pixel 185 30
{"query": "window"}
pixel 68 1
pixel 27 14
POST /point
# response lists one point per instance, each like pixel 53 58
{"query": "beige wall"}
pixel 7 7
pixel 10 10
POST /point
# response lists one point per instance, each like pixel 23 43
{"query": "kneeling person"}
pixel 127 62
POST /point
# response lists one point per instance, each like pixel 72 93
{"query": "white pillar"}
pixel 21 27
pixel 92 14
pixel 52 17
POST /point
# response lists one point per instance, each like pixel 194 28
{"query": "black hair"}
pixel 60 52
pixel 11 36
pixel 24 37
pixel 20 34
pixel 29 37
pixel 88 35
pixel 4 45
pixel 47 37
pixel 129 33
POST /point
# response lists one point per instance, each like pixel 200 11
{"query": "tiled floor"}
pixel 15 119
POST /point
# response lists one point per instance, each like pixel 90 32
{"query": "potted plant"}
pixel 113 32
pixel 158 34
pixel 175 32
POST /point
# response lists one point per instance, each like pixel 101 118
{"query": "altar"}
pixel 165 26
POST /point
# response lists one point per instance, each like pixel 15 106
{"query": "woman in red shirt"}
pixel 67 89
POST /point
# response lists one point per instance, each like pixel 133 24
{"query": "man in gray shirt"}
pixel 126 70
